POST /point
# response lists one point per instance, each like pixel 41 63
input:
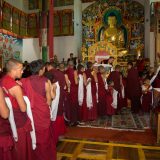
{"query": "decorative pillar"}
pixel 152 49
pixel 147 29
pixel 50 30
pixel 78 26
pixel 44 49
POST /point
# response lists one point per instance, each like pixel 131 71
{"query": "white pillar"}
pixel 147 29
pixel 152 49
pixel 78 26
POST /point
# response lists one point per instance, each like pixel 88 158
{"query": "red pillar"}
pixel 50 30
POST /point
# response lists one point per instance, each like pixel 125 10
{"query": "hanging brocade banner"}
pixel 63 25
pixel 23 24
pixel 1 8
pixel 56 24
pixel 15 20
pixel 32 25
pixel 33 4
pixel 58 3
pixel 6 16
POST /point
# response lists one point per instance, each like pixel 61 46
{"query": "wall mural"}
pixel 10 47
pixel 129 17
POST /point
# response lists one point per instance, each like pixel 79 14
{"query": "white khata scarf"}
pixel 55 103
pixel 154 77
pixel 13 125
pixel 29 113
pixel 11 119
pixel 89 95
pixel 97 92
pixel 114 103
pixel 80 90
pixel 122 91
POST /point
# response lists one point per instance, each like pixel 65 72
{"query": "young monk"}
pixel 111 103
pixel 146 98
pixel 38 89
pixel 23 148
pixel 116 77
pixel 6 143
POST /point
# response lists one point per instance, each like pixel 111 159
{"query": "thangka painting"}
pixel 10 47
pixel 63 25
pixel 33 4
pixel 129 15
pixel 57 29
pixel 23 24
pixel 58 3
pixel 15 20
pixel 32 25
pixel 6 18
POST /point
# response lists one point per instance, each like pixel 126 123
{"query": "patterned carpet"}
pixel 125 120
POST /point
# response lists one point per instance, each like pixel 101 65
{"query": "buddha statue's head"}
pixel 112 21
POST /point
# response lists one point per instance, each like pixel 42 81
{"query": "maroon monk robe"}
pixel 73 97
pixel 115 76
pixel 83 108
pixel 34 87
pixel 23 148
pixel 133 89
pixel 140 66
pixel 6 142
pixel 58 125
pixel 156 82
pixel 146 101
pixel 80 106
pixel 109 100
pixel 92 113
pixel 101 106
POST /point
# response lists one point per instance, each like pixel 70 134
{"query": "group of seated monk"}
pixel 59 94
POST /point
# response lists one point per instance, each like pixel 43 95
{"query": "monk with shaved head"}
pixel 6 143
pixel 23 148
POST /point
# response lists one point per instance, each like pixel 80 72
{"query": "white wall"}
pixel 31 50
pixel 63 46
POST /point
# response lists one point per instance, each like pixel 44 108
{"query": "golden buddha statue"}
pixel 112 34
